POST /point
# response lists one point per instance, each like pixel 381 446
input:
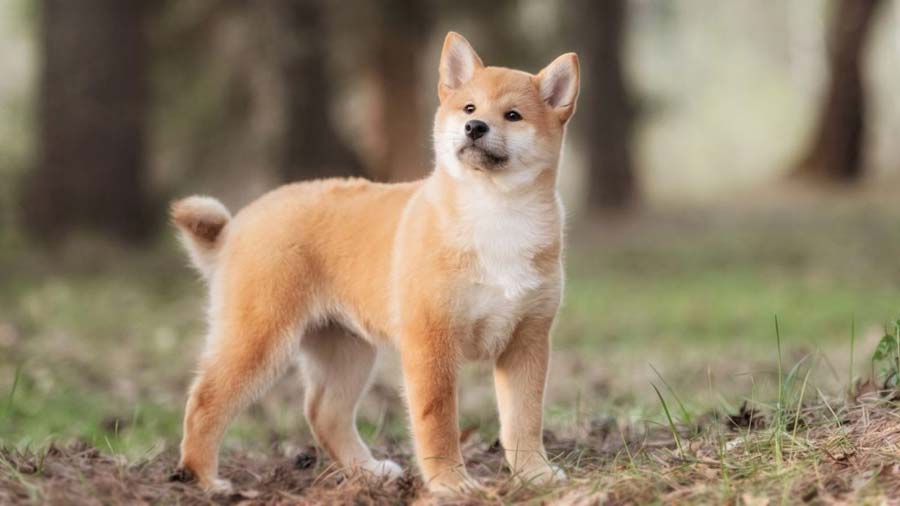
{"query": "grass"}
pixel 779 409
pixel 665 407
pixel 851 458
pixel 97 347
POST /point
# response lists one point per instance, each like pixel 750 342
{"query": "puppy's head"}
pixel 500 123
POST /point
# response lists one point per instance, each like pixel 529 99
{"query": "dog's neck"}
pixel 476 202
pixel 504 228
pixel 502 184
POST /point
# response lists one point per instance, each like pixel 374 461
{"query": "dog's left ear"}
pixel 559 83
pixel 458 64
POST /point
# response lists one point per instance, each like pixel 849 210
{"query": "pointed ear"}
pixel 559 83
pixel 458 64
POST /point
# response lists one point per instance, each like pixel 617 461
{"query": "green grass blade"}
pixel 12 391
pixel 685 415
pixel 779 410
pixel 671 423
pixel 792 375
pixel 852 388
pixel 799 406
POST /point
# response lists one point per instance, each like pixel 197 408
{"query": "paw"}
pixel 557 474
pixel 543 474
pixel 445 489
pixel 461 485
pixel 218 486
pixel 184 474
pixel 384 469
pixel 456 488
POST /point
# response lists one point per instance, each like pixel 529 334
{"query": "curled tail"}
pixel 201 221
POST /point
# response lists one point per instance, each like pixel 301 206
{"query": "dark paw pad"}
pixel 305 460
pixel 182 474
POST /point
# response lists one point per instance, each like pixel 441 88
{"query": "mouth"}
pixel 481 158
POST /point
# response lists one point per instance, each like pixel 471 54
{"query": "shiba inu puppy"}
pixel 462 265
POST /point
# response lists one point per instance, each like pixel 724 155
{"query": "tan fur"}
pixel 463 265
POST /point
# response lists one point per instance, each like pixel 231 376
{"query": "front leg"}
pixel 520 375
pixel 430 368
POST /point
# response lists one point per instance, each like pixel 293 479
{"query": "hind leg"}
pixel 336 368
pixel 238 367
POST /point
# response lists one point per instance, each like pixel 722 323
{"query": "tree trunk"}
pixel 605 111
pixel 836 151
pixel 312 147
pixel 91 167
pixel 401 136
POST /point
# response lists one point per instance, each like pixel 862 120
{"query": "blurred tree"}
pixel 511 46
pixel 835 153
pixel 312 147
pixel 401 139
pixel 92 103
pixel 605 112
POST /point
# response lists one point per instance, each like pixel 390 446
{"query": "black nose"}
pixel 476 128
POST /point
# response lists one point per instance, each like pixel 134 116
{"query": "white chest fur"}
pixel 504 232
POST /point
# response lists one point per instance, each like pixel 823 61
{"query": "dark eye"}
pixel 512 116
pixel 469 108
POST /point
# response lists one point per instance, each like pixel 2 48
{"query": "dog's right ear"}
pixel 458 64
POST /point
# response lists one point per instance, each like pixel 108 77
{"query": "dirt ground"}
pixel 828 452
pixel 81 474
